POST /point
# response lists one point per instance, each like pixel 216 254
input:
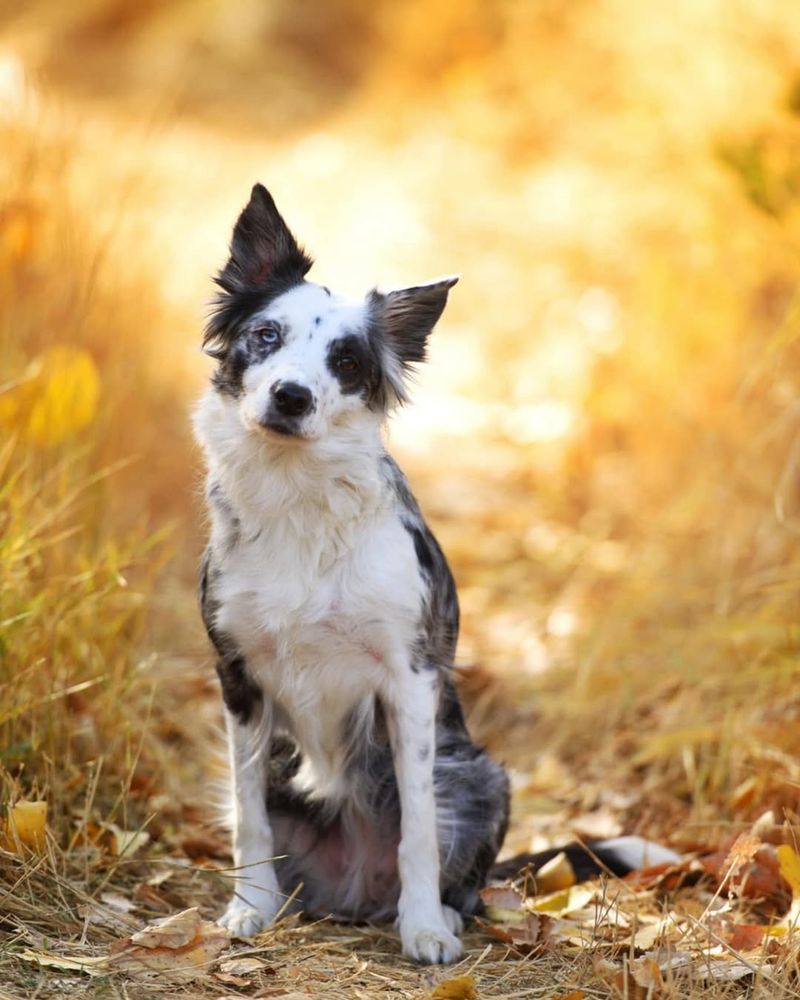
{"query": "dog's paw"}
pixel 244 920
pixel 431 946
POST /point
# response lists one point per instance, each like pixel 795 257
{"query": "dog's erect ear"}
pixel 405 318
pixel 262 248
pixel 408 315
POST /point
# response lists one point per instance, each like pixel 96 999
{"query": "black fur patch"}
pixel 367 379
pixel 423 549
pixel 242 696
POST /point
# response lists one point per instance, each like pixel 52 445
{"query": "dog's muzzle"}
pixel 289 401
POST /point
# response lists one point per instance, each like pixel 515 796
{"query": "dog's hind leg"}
pixel 472 807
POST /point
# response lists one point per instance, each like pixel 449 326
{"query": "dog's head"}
pixel 297 360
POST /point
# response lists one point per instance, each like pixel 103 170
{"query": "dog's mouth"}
pixel 282 427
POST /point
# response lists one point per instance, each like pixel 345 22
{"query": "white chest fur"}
pixel 318 586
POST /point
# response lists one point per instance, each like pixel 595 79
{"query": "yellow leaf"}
pixel 56 397
pixel 25 825
pixel 555 875
pixel 556 904
pixel 460 988
pixel 790 867
pixel 67 399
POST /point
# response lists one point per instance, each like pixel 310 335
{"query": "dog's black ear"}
pixel 408 315
pixel 263 249
pixel 405 318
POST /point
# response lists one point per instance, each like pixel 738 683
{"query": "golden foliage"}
pixel 54 399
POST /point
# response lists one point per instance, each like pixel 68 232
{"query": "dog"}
pixel 357 790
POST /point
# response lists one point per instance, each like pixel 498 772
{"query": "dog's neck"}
pixel 336 481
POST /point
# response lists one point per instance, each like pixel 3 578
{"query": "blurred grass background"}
pixel 607 437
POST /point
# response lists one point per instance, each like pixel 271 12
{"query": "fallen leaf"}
pixel 178 947
pixel 633 980
pixel 761 877
pixel 459 988
pixel 126 842
pixel 25 825
pixel 744 937
pixel 504 904
pixel 68 963
pixel 667 876
pixel 646 973
pixel 619 978
pixel 557 904
pixel 556 874
pixel 231 980
pixel 646 937
pixel 241 966
pixel 171 932
pixel 526 936
pixel 727 970
pixel 742 852
pixel 111 838
pixel 575 995
pixel 789 867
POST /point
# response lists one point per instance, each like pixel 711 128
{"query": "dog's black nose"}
pixel 291 399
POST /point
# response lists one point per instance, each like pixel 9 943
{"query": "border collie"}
pixel 357 790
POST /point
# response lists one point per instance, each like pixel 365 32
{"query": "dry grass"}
pixel 606 438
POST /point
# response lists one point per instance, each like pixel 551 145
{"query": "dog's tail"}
pixel 617 856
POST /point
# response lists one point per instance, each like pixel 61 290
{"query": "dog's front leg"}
pixel 257 897
pixel 426 928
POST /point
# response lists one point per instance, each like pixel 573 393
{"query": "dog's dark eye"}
pixel 269 334
pixel 347 363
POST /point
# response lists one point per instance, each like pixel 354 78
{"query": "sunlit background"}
pixel 605 438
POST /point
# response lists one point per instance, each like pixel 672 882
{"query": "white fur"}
pixel 322 595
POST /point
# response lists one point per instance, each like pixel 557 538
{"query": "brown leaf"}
pixel 504 904
pixel 760 878
pixel 742 852
pixel 179 947
pixel 744 937
pixel 529 935
pixel 230 980
pixel 667 876
pixel 623 978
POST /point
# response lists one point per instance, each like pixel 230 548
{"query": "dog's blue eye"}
pixel 347 363
pixel 269 335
